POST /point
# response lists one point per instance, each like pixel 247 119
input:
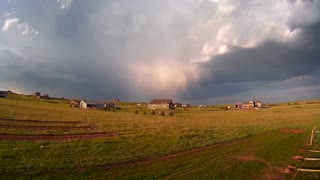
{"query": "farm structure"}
pixel 177 105
pixel 74 103
pixel 248 105
pixel 95 105
pixel 4 94
pixel 37 94
pixel 161 104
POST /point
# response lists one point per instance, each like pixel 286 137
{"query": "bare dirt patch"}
pixel 39 121
pixel 52 137
pixel 249 157
pixel 294 131
pixel 64 128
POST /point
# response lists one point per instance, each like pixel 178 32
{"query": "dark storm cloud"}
pixel 197 51
pixel 249 70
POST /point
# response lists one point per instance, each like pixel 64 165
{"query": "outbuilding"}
pixel 161 104
pixel 83 105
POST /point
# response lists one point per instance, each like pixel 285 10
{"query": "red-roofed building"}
pixel 161 104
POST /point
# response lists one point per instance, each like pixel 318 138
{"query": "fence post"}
pixel 312 136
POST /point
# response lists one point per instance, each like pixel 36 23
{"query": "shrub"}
pixel 171 113
pixel 162 113
pixel 145 112
pixel 153 113
pixel 136 112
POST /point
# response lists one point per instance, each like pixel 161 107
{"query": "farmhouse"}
pixel 248 105
pixel 74 103
pixel 4 94
pixel 161 104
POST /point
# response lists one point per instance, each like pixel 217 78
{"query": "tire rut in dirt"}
pixel 64 128
pixel 38 121
pixel 52 137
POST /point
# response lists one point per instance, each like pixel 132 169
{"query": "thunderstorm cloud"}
pixel 195 51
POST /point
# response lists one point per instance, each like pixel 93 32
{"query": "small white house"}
pixel 83 105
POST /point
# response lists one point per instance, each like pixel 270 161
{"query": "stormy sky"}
pixel 193 51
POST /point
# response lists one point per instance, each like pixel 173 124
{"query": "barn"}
pixel 161 104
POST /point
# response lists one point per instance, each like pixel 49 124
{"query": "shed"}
pixel 83 105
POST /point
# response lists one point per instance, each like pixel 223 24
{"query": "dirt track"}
pixel 64 128
pixel 38 121
pixel 51 137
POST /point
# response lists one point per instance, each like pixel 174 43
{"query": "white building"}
pixel 83 105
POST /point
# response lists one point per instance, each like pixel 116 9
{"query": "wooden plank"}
pixel 308 170
pixel 311 138
pixel 314 151
pixel 312 159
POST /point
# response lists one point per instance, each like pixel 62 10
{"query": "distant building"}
pixel 177 105
pixel 257 104
pixel 96 105
pixel 186 105
pixel 83 105
pixel 4 94
pixel 37 94
pixel 161 104
pixel 248 105
pixel 238 105
pixel 74 103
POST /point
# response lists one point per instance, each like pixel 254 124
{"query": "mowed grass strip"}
pixel 238 159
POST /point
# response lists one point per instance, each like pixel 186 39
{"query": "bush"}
pixel 153 113
pixel 171 113
pixel 145 112
pixel 136 112
pixel 162 113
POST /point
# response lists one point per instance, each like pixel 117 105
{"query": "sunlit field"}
pixel 194 143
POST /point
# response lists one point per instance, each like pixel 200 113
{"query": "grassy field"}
pixel 188 145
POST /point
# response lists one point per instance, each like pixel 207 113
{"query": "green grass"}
pixel 146 136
